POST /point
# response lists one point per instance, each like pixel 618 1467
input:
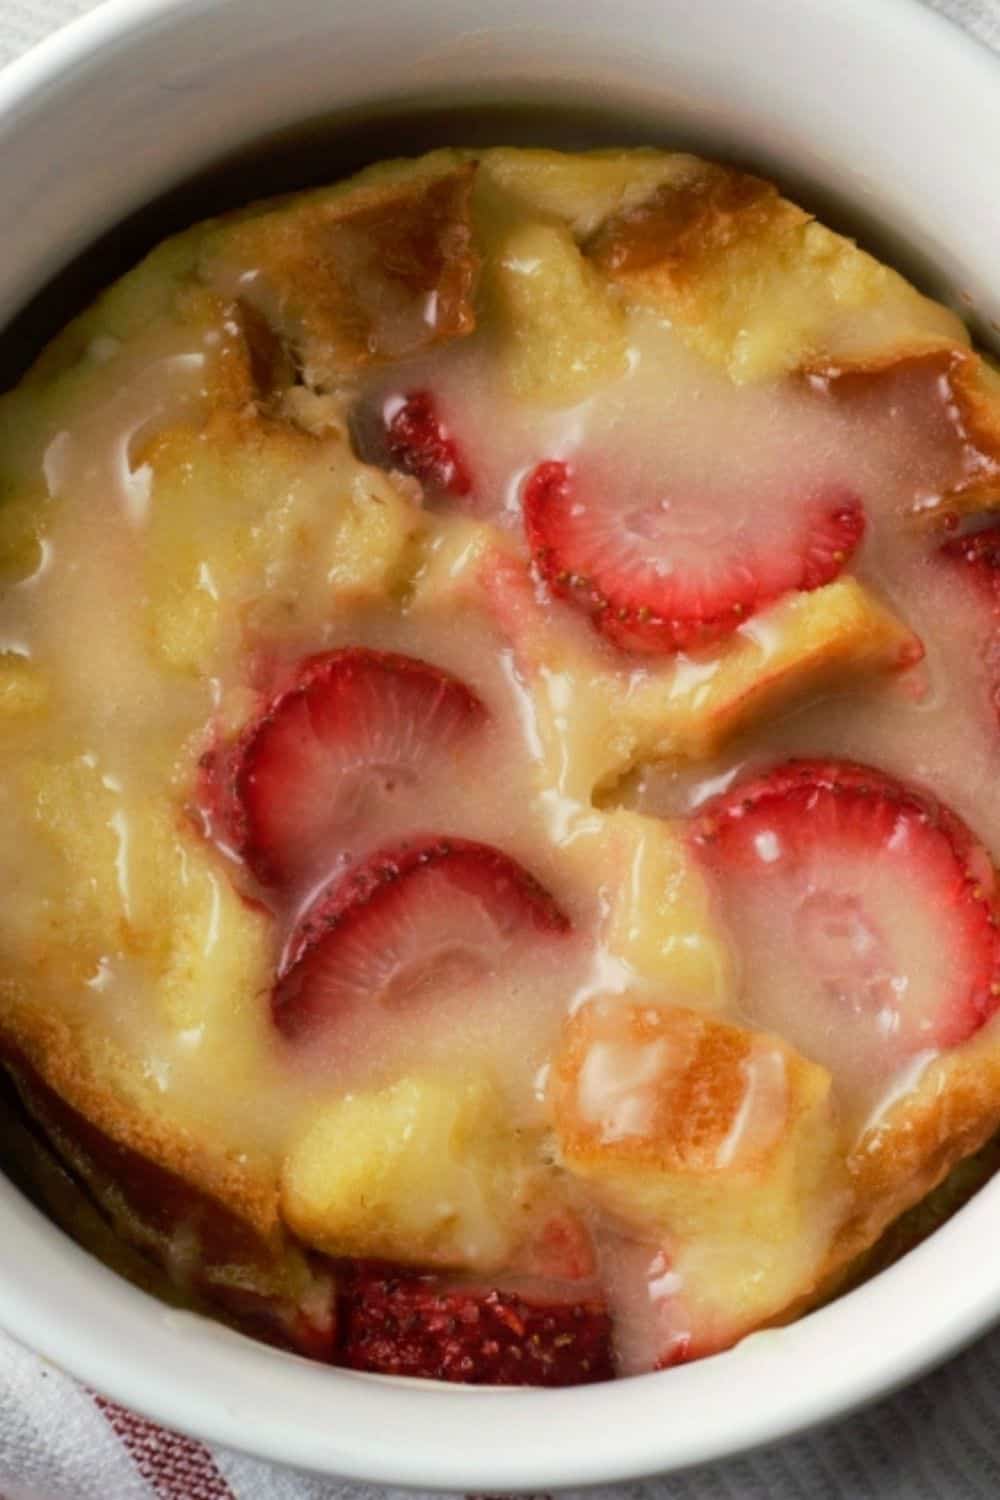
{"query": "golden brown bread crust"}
pixel 677 242
pixel 714 1143
pixel 342 280
pixel 64 1091
pixel 379 274
pixel 28 1160
pixel 915 1167
pixel 670 1176
pixel 950 1115
pixel 201 1248
pixel 973 390
pixel 690 1102
pixel 837 634
pixel 720 233
pixel 681 227
pixel 927 1215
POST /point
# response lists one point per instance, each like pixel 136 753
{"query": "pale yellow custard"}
pixel 413 592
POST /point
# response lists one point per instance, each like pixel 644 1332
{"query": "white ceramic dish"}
pixel 887 108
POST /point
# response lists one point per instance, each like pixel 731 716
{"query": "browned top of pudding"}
pixel 499 677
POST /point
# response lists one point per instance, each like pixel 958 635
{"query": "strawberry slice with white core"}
pixel 357 731
pixel 411 925
pixel 419 442
pixel 662 572
pixel 865 913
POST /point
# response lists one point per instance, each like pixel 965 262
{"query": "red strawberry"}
pixel 356 729
pixel 978 558
pixel 399 1322
pixel 663 576
pixel 865 912
pixel 408 923
pixel 979 553
pixel 420 444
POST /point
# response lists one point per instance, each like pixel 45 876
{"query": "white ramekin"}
pixel 881 109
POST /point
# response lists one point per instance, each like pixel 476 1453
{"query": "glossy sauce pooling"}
pixel 199 540
pixel 673 438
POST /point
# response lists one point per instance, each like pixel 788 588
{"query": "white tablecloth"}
pixel 938 1440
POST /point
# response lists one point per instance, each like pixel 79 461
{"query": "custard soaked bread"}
pixel 499 679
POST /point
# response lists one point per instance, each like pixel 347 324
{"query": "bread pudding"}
pixel 501 690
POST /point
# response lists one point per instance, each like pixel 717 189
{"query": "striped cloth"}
pixel 939 1440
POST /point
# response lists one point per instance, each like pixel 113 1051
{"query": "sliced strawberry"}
pixel 865 914
pixel 410 923
pixel 419 443
pixel 663 575
pixel 357 730
pixel 977 557
pixel 979 553
pixel 398 1322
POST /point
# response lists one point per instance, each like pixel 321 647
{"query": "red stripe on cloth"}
pixel 177 1467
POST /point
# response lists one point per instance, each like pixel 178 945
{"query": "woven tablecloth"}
pixel 938 1440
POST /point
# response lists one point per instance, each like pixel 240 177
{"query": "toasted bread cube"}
pixel 954 394
pixel 426 1170
pixel 716 1142
pixel 938 1112
pixel 381 271
pixel 219 955
pixel 658 922
pixel 755 284
pixel 598 716
pixel 561 333
pixel 297 529
pixel 584 189
pixel 804 644
pixel 74 814
pixel 204 1209
pixel 453 550
pixel 137 886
